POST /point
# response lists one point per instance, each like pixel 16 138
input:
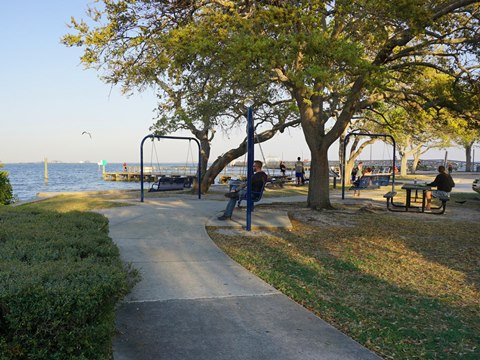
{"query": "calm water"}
pixel 27 179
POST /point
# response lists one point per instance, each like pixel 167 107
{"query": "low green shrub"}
pixel 60 278
pixel 6 193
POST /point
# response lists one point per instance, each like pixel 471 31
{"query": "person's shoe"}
pixel 223 217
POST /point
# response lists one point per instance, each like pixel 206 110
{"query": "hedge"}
pixel 60 278
pixel 6 194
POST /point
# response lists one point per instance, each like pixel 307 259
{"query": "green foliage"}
pixel 60 277
pixel 6 194
pixel 332 58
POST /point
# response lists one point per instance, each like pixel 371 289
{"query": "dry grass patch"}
pixel 75 202
pixel 400 285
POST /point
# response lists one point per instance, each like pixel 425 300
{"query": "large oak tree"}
pixel 334 58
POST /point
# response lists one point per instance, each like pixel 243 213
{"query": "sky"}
pixel 47 99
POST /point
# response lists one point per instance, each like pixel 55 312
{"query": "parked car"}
pixel 476 185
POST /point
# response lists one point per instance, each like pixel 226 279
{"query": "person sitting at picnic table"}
pixel 444 184
pixel 258 181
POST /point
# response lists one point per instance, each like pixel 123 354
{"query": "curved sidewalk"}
pixel 194 302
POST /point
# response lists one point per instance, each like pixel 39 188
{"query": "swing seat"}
pixel 167 183
pixel 256 195
pixel 381 180
pixel 365 182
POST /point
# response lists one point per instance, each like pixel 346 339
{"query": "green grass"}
pixel 75 202
pixel 465 200
pixel 404 286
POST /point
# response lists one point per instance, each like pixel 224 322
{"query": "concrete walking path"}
pixel 194 302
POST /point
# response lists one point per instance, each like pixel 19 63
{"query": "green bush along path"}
pixel 60 278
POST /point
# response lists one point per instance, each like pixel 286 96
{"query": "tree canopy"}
pixel 333 58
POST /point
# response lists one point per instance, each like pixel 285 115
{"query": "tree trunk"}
pixel 313 121
pixel 220 164
pixel 204 156
pixel 416 160
pixel 205 137
pixel 468 158
pixel 319 182
pixel 350 164
pixel 404 164
pixel 355 154
pixel 222 161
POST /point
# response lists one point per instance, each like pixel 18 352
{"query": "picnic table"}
pixel 408 206
pixel 417 187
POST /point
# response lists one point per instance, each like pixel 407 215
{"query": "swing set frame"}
pixel 152 136
pixel 345 143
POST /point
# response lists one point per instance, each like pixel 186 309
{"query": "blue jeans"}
pixel 232 201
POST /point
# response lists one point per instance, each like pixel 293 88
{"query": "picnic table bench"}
pixel 408 206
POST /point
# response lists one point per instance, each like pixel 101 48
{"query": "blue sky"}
pixel 47 100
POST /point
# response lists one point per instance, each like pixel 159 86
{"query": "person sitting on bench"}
pixel 258 180
pixel 444 184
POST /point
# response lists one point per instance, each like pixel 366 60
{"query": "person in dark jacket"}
pixel 283 168
pixel 259 179
pixel 444 184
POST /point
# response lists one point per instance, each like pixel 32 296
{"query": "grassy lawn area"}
pixel 404 285
pixel 75 202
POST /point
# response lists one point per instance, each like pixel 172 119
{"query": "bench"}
pixel 256 195
pixel 365 182
pixel 389 196
pixel 444 200
pixel 279 181
pixel 390 204
pixel 167 183
pixel 332 174
pixel 381 180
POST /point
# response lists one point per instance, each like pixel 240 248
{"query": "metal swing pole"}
pixel 250 155
pixel 170 137
pixel 345 142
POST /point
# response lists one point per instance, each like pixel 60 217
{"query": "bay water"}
pixel 27 179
